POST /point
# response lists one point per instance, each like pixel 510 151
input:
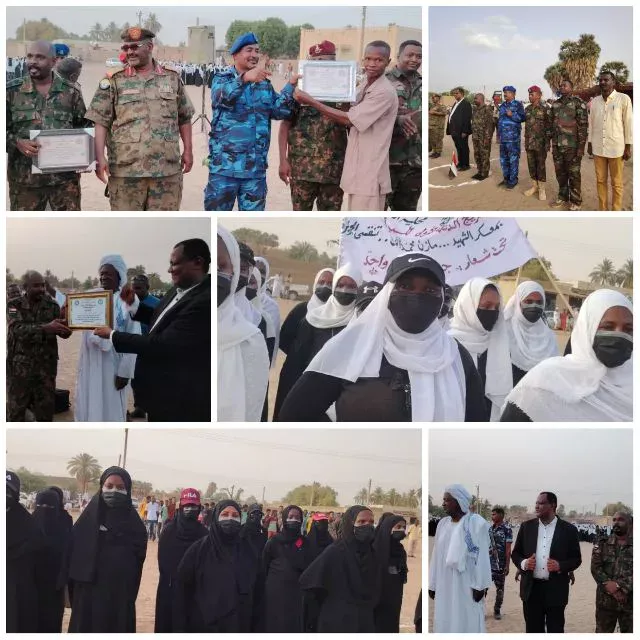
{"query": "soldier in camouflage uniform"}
pixel 142 111
pixel 243 104
pixel 501 537
pixel 612 569
pixel 537 139
pixel 312 149
pixel 32 351
pixel 437 126
pixel 481 134
pixel 510 131
pixel 405 152
pixel 569 130
pixel 41 100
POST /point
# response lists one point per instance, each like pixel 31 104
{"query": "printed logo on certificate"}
pixel 89 310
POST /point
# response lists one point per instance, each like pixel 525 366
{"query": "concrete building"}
pixel 348 40
pixel 201 44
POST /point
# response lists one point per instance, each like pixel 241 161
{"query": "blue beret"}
pixel 509 88
pixel 61 49
pixel 243 41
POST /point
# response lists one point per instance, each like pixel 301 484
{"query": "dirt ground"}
pixel 464 194
pixel 146 603
pixel 580 614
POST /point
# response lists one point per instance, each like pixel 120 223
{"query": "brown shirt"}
pixel 366 163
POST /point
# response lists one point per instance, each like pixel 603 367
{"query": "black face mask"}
pixel 322 525
pixel 612 348
pixel 293 526
pixel 365 533
pixel 251 293
pixel 255 516
pixel 115 499
pixel 345 299
pixel 414 312
pixel 224 287
pixel 445 309
pixel 398 536
pixel 191 513
pixel 243 281
pixel 323 292
pixel 488 318
pixel 230 528
pixel 532 312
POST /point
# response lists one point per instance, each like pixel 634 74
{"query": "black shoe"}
pixel 482 177
pixel 511 186
pixel 497 615
pixel 476 177
pixel 502 184
pixel 464 168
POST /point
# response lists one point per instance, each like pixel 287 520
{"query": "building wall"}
pixel 201 44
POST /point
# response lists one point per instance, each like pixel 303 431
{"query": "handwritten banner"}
pixel 465 247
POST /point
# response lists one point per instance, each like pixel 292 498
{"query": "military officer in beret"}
pixel 141 112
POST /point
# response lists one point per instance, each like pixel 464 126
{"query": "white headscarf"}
pixel 468 330
pixel 268 303
pixel 243 361
pixel 432 359
pixel 247 309
pixel 119 308
pixel 529 343
pixel 332 314
pixel 578 387
pixel 460 495
pixel 256 303
pixel 314 301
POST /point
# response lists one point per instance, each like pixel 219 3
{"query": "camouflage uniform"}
pixel 496 115
pixel 32 359
pixel 537 136
pixel 613 561
pixel 569 128
pixel 142 114
pixel 27 109
pixel 482 132
pixel 437 127
pixel 405 154
pixel 316 154
pixel 240 138
pixel 510 131
pixel 501 536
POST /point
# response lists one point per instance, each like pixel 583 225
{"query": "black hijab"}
pixel 122 522
pixel 318 538
pixel 293 545
pixel 49 517
pixel 64 514
pixel 390 552
pixel 188 530
pixel 23 534
pixel 253 531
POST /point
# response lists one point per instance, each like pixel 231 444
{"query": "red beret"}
pixel 325 48
pixel 535 88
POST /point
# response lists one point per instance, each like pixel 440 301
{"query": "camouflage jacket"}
pixel 438 120
pixel 406 151
pixel 569 123
pixel 482 123
pixel 510 127
pixel 27 109
pixel 316 145
pixel 30 351
pixel 537 128
pixel 612 561
pixel 143 115
pixel 241 125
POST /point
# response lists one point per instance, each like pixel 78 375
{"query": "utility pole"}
pixel 139 14
pixel 369 493
pixel 119 459
pixel 24 35
pixel 126 441
pixel 364 19
pixel 313 488
pixel 263 488
pixel 478 499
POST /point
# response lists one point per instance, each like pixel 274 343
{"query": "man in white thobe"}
pixel 460 569
pixel 103 379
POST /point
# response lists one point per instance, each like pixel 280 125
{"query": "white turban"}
pixel 118 264
pixel 460 495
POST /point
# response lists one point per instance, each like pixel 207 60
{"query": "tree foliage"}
pixel 577 61
pixel 303 251
pixel 312 494
pixel 390 497
pixel 30 481
pixel 275 37
pixel 533 270
pixel 141 489
pixel 619 69
pixel 259 241
pixel 612 507
pixel 85 469
pixel 212 488
pixel 604 273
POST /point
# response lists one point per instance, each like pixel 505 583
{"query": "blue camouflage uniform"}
pixel 240 138
pixel 509 131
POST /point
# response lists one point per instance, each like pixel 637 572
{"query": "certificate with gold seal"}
pixel 89 310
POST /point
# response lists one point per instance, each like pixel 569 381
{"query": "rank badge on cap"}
pixel 104 83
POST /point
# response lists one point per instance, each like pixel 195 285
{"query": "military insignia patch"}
pixel 104 83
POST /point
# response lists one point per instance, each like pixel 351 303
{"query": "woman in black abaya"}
pixel 318 538
pixel 393 566
pixel 253 532
pixel 54 524
pixel 218 577
pixel 177 536
pixel 108 548
pixel 342 585
pixel 283 561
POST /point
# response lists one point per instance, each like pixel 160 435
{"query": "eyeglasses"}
pixel 131 47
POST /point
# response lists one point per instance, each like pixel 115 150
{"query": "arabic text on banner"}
pixel 465 247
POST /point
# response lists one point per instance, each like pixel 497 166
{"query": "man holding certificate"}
pixel 41 101
pixel 365 177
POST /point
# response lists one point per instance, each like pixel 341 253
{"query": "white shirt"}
pixel 610 125
pixel 152 511
pixel 455 106
pixel 543 548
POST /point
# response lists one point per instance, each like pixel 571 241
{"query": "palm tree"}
pixel 618 68
pixel 624 275
pixel 378 496
pixel 393 497
pixel 604 273
pixel 85 469
pixel 362 497
pixel 112 32
pixel 152 23
pixel 554 76
pixel 579 59
pixel 96 32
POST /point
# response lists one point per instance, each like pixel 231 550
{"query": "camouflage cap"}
pixel 136 34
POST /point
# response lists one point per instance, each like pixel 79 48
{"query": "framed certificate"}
pixel 329 80
pixel 64 150
pixel 89 310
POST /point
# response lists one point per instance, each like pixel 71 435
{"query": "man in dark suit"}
pixel 459 127
pixel 546 550
pixel 173 368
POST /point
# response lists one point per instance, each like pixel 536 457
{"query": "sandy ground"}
pixel 278 194
pixel 580 614
pixel 146 603
pixel 464 194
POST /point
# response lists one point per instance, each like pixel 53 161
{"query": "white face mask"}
pixel 123 491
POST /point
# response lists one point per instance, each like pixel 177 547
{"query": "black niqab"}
pixel 292 542
pixel 253 532
pixel 318 538
pixel 65 515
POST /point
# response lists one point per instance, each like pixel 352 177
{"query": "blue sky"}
pixel 485 48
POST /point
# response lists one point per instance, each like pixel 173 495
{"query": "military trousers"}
pixel 146 194
pixel 567 165
pixel 406 188
pixel 482 156
pixel 35 392
pixel 221 193
pixel 436 136
pixel 62 197
pixel 536 161
pixel 498 578
pixel 606 620
pixel 327 197
pixel 510 160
